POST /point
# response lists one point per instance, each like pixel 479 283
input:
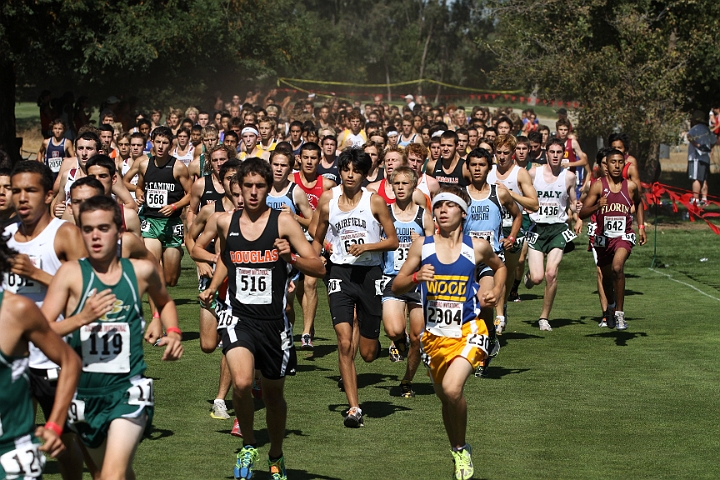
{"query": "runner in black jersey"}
pixel 256 245
pixel 449 169
pixel 209 188
pixel 163 189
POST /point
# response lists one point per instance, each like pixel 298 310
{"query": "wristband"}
pixel 415 279
pixel 156 315
pixel 641 227
pixel 174 330
pixel 54 427
pixel 293 259
pixel 174 207
pixel 511 238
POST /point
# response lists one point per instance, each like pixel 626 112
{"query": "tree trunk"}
pixel 387 80
pixel 424 56
pixel 7 111
pixel 649 164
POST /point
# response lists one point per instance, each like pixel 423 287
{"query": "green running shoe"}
pixel 245 462
pixel 463 463
pixel 277 469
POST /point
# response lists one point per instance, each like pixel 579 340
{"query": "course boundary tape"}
pixel 683 283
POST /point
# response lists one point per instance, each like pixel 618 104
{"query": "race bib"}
pixel 444 318
pixel 531 237
pixel 141 393
pixel 379 284
pixel 25 461
pixel 569 235
pixel 178 230
pixel 333 285
pixel 156 198
pixel 480 341
pixel 145 226
pixel 400 256
pixel 349 239
pixel 629 237
pixel 548 211
pixel 254 286
pixel 486 234
pixel 600 241
pixel 507 218
pixel 17 284
pixel 614 226
pixel 591 229
pixel 225 318
pixel 55 163
pixel 76 411
pixel 106 347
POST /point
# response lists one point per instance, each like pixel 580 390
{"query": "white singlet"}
pixel 552 197
pixel 358 226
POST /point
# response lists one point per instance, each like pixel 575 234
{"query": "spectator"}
pixel 700 143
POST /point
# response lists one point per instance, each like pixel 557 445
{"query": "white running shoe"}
pixel 500 324
pixel 544 325
pixel 620 323
pixel 219 410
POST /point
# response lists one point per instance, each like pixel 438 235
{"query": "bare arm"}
pixel 196 192
pixel 634 191
pixel 321 222
pixel 165 305
pixel 41 151
pixel 507 201
pixel 302 203
pixel 485 254
pixel 404 281
pixel 591 204
pixel 308 262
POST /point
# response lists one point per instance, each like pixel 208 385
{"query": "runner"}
pixel 353 219
pixel 54 149
pixel 21 322
pixel 455 340
pixel 394 157
pixel 256 251
pixel 251 138
pixel 137 141
pixel 408 136
pixel 411 222
pixel 198 166
pixel 555 189
pixel 184 150
pixel 114 404
pixel 43 243
pixel 209 188
pixel 621 141
pixel 163 190
pixel 328 162
pixel 7 209
pixel 613 198
pixel 353 136
pixel 416 155
pixel 449 169
pixel 574 158
pixel 517 181
pixel 266 127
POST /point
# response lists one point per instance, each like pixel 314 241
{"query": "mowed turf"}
pixel 577 402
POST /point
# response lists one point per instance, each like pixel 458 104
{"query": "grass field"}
pixel 577 402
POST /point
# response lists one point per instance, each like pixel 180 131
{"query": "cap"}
pixel 409 97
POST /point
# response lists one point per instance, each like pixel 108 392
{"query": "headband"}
pixel 449 197
pixel 392 133
pixel 438 134
pixel 249 130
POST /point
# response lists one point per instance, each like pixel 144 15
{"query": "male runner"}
pixel 555 190
pixel 114 404
pixel 516 180
pixel 354 136
pixel 455 340
pixel 198 166
pixel 575 159
pixel 21 323
pixel 266 128
pixel 613 198
pixel 394 157
pixel 411 222
pixel 56 148
pixel 416 155
pixel 251 139
pixel 209 188
pixel 43 243
pixel 163 189
pixel 354 218
pixel 328 162
pixel 256 247
pixel 449 169
pixel 408 136
pixel 7 209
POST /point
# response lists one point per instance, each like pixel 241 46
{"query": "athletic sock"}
pixel 402 345
pixel 515 286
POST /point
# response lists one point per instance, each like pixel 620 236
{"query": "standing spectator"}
pixel 700 143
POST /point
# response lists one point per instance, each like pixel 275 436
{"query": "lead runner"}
pixel 444 264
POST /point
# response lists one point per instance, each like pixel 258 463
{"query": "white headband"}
pixel 249 130
pixel 437 134
pixel 392 133
pixel 449 197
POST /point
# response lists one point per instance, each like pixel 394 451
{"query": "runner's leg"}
pixel 241 363
pixel 275 414
pixel 551 271
pixel 454 406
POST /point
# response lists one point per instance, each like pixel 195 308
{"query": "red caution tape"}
pixel 654 192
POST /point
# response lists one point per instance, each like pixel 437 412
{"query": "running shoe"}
pixel 494 348
pixel 306 342
pixel 277 469
pixel 219 410
pixel 245 462
pixel 235 432
pixel 620 322
pixel 500 324
pixel 406 389
pixel 603 323
pixel 402 347
pixel 394 354
pixel 257 389
pixel 354 418
pixel 544 325
pixel 526 280
pixel 514 297
pixel 341 385
pixel 463 463
pixel 481 371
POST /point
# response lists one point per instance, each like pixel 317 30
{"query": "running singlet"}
pixel 358 226
pixel 111 348
pixel 403 143
pixel 277 202
pixel 257 274
pixel 41 251
pixel 187 158
pixel 511 183
pixel 313 193
pixel 569 154
pixel 614 219
pixel 354 141
pixel 72 175
pixel 210 194
pixel 626 168
pixel 395 259
pixel 485 220
pixel 453 178
pixel 331 173
pixel 450 300
pixel 383 194
pixel 161 188
pixel 552 197
pixel 54 155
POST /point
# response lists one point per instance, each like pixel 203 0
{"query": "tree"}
pixel 632 64
pixel 158 49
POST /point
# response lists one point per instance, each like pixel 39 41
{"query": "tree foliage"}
pixel 637 65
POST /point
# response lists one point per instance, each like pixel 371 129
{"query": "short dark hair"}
pixel 88 182
pixel 102 161
pixel 622 137
pixel 90 136
pixel 449 134
pixel 232 163
pixel 257 166
pixel 162 131
pixel 104 127
pixel 357 157
pixel 535 136
pixel 504 119
pixel 101 202
pixel 480 153
pixel 555 141
pixel 31 166
pixel 312 146
pixel 232 133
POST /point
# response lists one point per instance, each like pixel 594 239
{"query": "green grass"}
pixel 578 402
